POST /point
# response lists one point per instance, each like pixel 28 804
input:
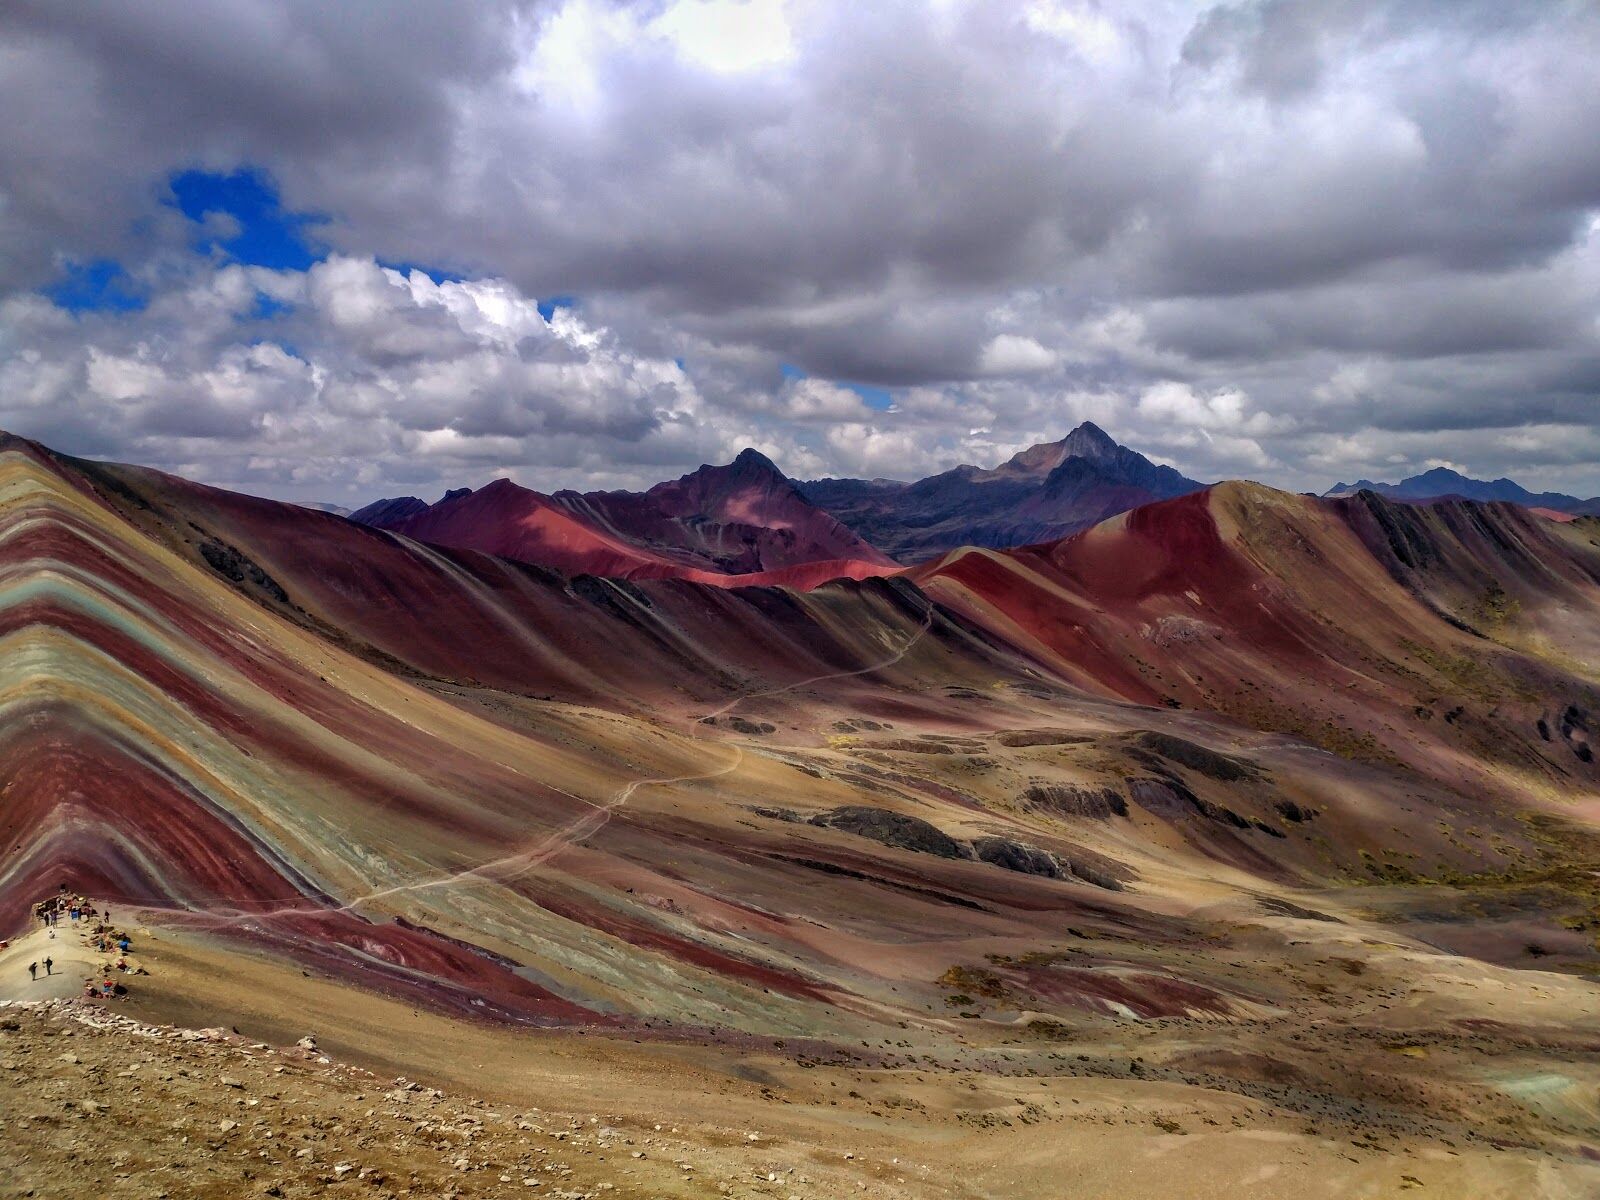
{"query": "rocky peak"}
pixel 752 462
pixel 1086 441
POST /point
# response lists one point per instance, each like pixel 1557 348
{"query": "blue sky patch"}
pixel 268 235
pixel 99 285
pixel 548 306
pixel 267 308
pixel 875 397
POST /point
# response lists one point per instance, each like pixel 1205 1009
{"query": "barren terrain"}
pixel 1240 846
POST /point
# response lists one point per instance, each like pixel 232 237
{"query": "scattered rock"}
pixel 1042 737
pixel 892 829
pixel 1290 811
pixel 1016 856
pixel 1201 759
pixel 1098 804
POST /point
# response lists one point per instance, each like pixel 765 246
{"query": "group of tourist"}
pixel 98 933
pixel 104 937
pixel 71 905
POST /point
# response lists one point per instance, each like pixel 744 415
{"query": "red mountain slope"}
pixel 744 523
pixel 517 522
pixel 1341 622
pixel 742 518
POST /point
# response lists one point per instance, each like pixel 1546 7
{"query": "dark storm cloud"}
pixel 1249 236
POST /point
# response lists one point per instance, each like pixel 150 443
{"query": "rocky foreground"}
pixel 94 1103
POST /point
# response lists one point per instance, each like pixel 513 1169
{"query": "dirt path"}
pixel 73 960
pixel 927 624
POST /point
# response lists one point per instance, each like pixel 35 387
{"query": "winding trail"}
pixel 500 870
pixel 592 822
pixel 512 866
pixel 927 624
pixel 525 860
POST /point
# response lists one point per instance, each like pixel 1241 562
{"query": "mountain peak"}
pixel 750 460
pixel 749 467
pixel 496 487
pixel 1443 473
pixel 1088 440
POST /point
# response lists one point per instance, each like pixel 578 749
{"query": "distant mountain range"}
pixel 1046 492
pixel 1443 483
pixel 748 521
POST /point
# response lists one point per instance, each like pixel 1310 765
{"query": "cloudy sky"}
pixel 329 251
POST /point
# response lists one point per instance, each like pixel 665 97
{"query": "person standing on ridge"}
pixel 49 965
pixel 33 970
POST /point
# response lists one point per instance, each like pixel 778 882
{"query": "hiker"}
pixel 33 970
pixel 49 965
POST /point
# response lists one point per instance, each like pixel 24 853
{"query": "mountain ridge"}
pixel 1444 482
pixel 745 520
pixel 1049 490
